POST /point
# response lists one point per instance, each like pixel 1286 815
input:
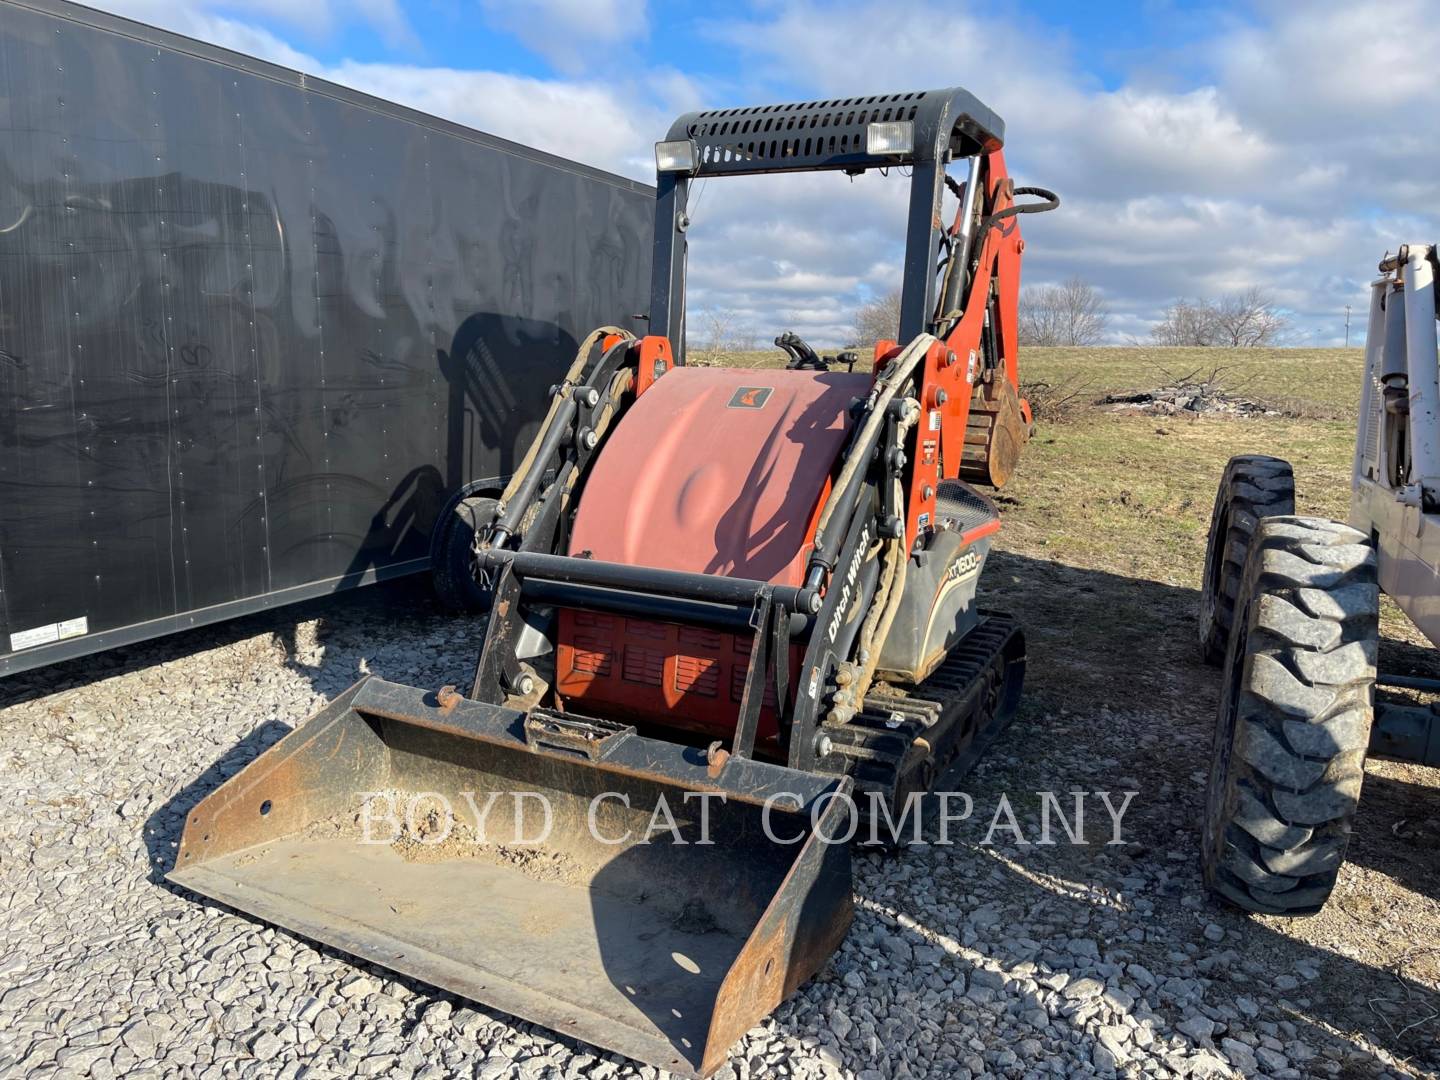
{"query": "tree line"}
pixel 1071 313
pixel 1074 313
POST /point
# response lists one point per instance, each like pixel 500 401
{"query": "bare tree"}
pixel 717 329
pixel 1069 314
pixel 1247 319
pixel 1185 323
pixel 879 320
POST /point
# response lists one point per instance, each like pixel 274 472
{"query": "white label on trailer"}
pixel 73 628
pixel 49 634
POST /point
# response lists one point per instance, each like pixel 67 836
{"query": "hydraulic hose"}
pixel 953 287
pixel 886 387
pixel 881 617
pixel 1048 201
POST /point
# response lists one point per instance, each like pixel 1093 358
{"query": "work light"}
pixel 677 156
pixel 892 137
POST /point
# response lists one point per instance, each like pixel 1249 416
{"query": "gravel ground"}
pixel 973 960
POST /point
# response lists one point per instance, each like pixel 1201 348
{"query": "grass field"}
pixel 1132 493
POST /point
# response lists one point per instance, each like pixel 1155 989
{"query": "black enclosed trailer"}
pixel 258 331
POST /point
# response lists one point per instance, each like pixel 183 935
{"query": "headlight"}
pixel 678 156
pixel 894 137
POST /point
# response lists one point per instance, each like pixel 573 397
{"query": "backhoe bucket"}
pixel 550 867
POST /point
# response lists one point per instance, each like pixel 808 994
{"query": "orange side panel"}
pixel 678 676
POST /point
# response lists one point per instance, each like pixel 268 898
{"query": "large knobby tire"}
pixel 451 568
pixel 1254 486
pixel 1294 717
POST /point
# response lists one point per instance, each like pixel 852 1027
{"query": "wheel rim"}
pixel 1214 567
pixel 1226 725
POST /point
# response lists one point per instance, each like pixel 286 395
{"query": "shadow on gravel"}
pixel 1399 835
pixel 388 599
pixel 1100 639
pixel 163 827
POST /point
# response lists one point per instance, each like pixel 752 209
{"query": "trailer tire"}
pixel 1294 717
pixel 1253 486
pixel 451 570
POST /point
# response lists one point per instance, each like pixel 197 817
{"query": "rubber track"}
pixel 877 747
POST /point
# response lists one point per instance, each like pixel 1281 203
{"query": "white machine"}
pixel 1290 608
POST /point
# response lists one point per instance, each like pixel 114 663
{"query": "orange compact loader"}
pixel 747 595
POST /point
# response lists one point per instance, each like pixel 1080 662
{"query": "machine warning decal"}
pixel 750 397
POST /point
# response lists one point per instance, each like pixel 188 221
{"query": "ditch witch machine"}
pixel 722 601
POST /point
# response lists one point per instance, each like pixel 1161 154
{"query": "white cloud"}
pixel 1304 157
pixel 582 121
pixel 1305 152
pixel 194 20
pixel 571 34
pixel 314 19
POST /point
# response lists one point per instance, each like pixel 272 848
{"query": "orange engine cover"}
pixel 712 471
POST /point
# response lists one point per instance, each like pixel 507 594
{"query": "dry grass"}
pixel 1308 383
pixel 1317 379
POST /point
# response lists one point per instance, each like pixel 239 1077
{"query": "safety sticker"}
pixel 934 419
pixel 750 397
pixel 49 634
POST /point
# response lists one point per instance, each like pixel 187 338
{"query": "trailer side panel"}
pixel 255 329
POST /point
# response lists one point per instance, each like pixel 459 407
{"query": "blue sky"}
pixel 1199 148
pixel 1107 41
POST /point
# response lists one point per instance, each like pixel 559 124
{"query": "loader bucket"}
pixel 607 927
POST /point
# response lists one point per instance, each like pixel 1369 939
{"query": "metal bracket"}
pixel 589 737
pixel 756 677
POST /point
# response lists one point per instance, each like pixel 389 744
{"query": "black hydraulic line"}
pixel 1409 682
pixel 643 579
pixel 1048 201
pixel 734 618
pixel 827 545
pixel 555 434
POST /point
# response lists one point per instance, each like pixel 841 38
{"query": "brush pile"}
pixel 1190 395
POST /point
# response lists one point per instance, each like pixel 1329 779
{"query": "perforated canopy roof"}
pixel 817 135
